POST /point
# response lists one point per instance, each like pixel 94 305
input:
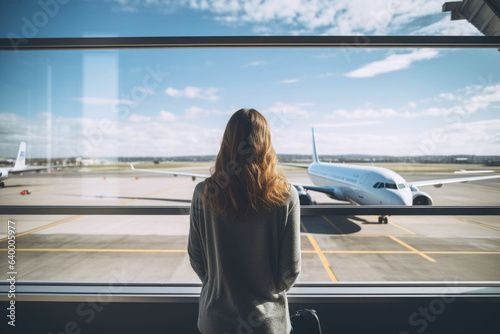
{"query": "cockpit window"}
pixel 391 186
pixel 381 185
pixel 401 186
pixel 376 185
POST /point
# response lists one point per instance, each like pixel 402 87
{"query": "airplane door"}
pixel 360 185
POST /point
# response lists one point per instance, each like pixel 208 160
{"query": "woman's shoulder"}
pixel 293 198
pixel 199 188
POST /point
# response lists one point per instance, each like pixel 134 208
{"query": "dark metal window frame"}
pixel 361 41
pixel 301 292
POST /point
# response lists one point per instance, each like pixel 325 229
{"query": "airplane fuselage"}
pixel 5 173
pixel 365 185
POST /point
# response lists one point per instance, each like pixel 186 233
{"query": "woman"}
pixel 244 237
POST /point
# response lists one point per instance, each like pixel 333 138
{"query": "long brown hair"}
pixel 245 180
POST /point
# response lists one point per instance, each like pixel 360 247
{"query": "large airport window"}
pixel 95 112
pixel 109 122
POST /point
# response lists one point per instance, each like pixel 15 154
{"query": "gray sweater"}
pixel 245 267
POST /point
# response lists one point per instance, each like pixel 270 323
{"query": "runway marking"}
pixel 46 226
pixel 156 192
pixel 367 252
pixel 335 226
pixel 473 222
pixel 459 252
pixel 358 235
pixel 75 217
pixel 412 248
pixel 321 256
pixel 401 227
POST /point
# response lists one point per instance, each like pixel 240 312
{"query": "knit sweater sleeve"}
pixel 195 248
pixel 290 259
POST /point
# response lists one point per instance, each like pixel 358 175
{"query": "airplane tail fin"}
pixel 315 155
pixel 21 157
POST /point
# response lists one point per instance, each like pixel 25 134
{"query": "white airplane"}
pixel 363 185
pixel 20 166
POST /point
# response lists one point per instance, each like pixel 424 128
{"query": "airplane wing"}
pixel 324 190
pixel 33 168
pixel 463 171
pixel 294 165
pixel 438 183
pixel 193 175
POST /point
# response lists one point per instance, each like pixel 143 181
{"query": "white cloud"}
pixel 367 113
pixel 166 116
pixel 86 137
pixel 466 101
pixel 287 81
pixel 448 96
pixel 192 92
pixel 102 101
pixel 195 112
pixel 135 118
pixel 345 124
pixel 446 27
pixel 70 137
pixel 340 17
pixel 289 109
pixel 393 62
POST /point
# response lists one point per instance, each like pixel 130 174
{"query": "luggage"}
pixel 305 321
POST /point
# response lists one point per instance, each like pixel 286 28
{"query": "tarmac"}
pixel 153 248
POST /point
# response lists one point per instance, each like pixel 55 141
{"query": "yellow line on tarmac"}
pixel 459 252
pixel 473 222
pixel 335 226
pixel 359 235
pixel 46 226
pixel 322 257
pixel 401 227
pixel 75 217
pixel 367 252
pixel 412 249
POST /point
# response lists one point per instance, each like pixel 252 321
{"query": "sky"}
pixel 163 103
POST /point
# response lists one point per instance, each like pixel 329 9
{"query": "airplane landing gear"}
pixel 382 220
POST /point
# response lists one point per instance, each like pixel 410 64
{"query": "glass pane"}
pixel 104 18
pixel 421 113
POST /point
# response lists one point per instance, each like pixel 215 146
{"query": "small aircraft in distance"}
pixel 363 185
pixel 20 166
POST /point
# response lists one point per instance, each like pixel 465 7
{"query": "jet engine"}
pixel 421 198
pixel 304 197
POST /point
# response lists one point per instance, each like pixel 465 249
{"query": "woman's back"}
pixel 246 267
pixel 244 239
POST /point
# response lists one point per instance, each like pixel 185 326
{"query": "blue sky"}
pixel 177 102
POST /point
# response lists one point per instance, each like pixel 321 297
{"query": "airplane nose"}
pixel 402 198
